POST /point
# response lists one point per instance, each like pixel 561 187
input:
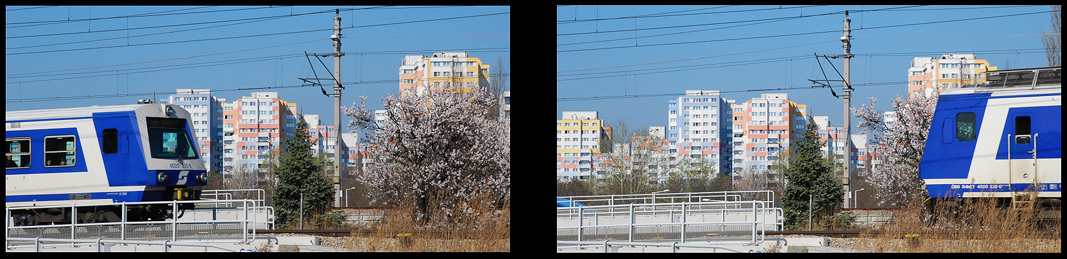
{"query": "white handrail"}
pixel 38 242
pixel 122 225
pixel 757 208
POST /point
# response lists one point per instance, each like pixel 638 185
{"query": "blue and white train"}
pixel 101 155
pixel 998 139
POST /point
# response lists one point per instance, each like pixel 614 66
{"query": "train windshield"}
pixel 169 139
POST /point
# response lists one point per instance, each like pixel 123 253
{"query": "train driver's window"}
pixel 18 152
pixel 59 151
pixel 965 126
pixel 110 141
pixel 1022 130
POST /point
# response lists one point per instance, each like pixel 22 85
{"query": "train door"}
pixel 1021 156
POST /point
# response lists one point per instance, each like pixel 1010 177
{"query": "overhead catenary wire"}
pixel 150 14
pixel 799 34
pixel 138 70
pixel 611 97
pixel 74 97
pixel 257 35
pixel 682 68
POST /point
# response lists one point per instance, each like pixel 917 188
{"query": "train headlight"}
pixel 162 178
pixel 170 111
pixel 202 178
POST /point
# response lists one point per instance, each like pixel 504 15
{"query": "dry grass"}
pixel 483 229
pixel 978 227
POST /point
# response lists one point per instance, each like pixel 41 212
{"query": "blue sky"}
pixel 265 61
pixel 883 52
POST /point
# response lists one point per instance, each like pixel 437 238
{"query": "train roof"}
pixel 152 109
pixel 1014 81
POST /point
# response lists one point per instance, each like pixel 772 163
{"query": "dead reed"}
pixel 482 228
pixel 983 225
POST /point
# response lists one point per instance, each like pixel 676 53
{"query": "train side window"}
pixel 965 126
pixel 111 141
pixel 59 151
pixel 18 153
pixel 1022 130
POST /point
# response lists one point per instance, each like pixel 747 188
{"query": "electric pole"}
pixel 846 77
pixel 336 76
pixel 848 114
pixel 337 107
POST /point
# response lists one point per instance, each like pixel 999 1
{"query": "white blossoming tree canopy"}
pixel 442 148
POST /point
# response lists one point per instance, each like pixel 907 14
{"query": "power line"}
pixel 151 14
pixel 162 60
pixel 670 14
pixel 676 26
pixel 27 8
pixel 682 68
pixel 755 22
pixel 690 59
pixel 701 41
pixel 253 19
pixel 99 96
pixel 159 26
pixel 256 35
pixel 103 73
pixel 157 68
pixel 612 97
pixel 804 33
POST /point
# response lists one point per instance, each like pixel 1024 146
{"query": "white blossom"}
pixel 898 148
pixel 443 148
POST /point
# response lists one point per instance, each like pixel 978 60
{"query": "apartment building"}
pixel 578 136
pixel 927 74
pixel 253 127
pixel 765 128
pixel 446 70
pixel 699 127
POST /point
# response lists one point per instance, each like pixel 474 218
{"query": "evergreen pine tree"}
pixel 811 173
pixel 300 172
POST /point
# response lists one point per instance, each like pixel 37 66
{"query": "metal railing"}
pixel 127 230
pixel 228 194
pixel 102 244
pixel 730 215
pixel 594 200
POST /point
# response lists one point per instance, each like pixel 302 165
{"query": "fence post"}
pixel 174 220
pixel 123 225
pixel 73 222
pixel 754 218
pixel 244 235
pixel 632 222
pixel 683 220
pixel 581 217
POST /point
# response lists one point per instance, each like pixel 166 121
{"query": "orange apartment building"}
pixel 253 127
pixel 949 71
pixel 442 70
